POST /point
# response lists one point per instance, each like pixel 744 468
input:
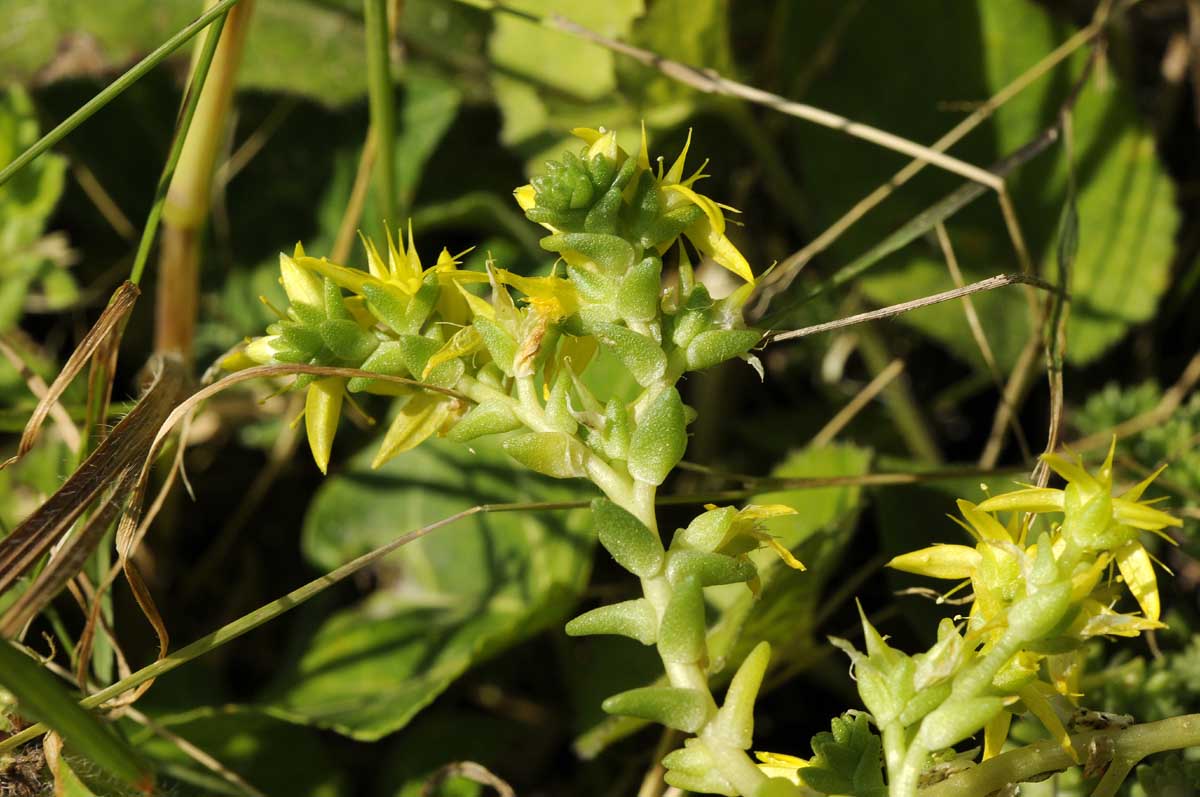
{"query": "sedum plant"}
pixel 511 364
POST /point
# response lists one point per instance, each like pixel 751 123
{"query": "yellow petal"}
pixel 1040 707
pixel 322 409
pixel 765 511
pixel 589 134
pixel 1141 516
pixel 1082 583
pixel 644 152
pixel 238 360
pixel 553 297
pixel 778 765
pixel 783 553
pixel 987 526
pixel 300 285
pixel 995 734
pixel 1096 619
pixel 711 209
pixel 1138 572
pixel 1134 493
pixel 352 279
pixel 412 263
pixel 675 174
pixel 465 341
pixel 375 264
pixel 1072 471
pixel 526 197
pixel 719 248
pixel 1033 499
pixel 478 306
pixel 419 418
pixel 953 562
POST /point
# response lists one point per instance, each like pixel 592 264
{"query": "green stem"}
pixel 380 95
pixel 1046 757
pixel 111 91
pixel 191 100
pixel 906 782
pixel 733 764
pixel 894 747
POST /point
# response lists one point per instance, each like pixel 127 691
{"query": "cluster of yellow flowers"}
pixel 611 219
pixel 1039 592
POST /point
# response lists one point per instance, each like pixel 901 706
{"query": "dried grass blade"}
pixel 111 319
pixel 126 447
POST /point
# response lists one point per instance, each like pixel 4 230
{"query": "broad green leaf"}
pixel 446 601
pixel 549 81
pixel 273 756
pixel 693 32
pixel 1126 209
pixel 26 202
pixel 783 614
pixel 287 38
pixel 484 737
pixel 42 697
pixel 557 59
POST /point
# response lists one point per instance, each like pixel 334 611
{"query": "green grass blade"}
pixel 190 101
pixel 383 106
pixel 42 697
pixel 115 88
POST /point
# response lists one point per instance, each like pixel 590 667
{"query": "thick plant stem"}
pixel 1041 759
pixel 189 195
pixel 734 765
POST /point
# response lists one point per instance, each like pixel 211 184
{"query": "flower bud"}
pixel 707 532
pixel 322 409
pixel 300 284
pixel 420 418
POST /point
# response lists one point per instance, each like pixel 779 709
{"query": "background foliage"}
pixel 452 648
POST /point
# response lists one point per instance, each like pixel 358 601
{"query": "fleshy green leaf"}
pixel 635 547
pixel 659 439
pixel 683 709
